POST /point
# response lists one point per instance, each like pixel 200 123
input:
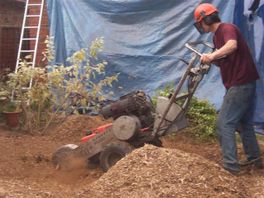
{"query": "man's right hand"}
pixel 207 58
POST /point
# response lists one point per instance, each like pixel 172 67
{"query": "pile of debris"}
pixel 159 172
pixel 76 126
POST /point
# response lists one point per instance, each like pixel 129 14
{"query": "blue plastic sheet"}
pixel 144 40
pixel 252 26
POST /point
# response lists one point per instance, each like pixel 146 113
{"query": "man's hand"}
pixel 207 58
pixel 223 52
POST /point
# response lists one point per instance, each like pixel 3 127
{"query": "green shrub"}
pixel 85 76
pixel 10 107
pixel 202 118
pixel 166 91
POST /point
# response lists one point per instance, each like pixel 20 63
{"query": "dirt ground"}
pixel 182 168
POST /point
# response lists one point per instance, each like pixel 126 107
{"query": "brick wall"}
pixel 11 17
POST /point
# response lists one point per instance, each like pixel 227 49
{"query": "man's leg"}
pixel 248 136
pixel 235 106
pixel 249 140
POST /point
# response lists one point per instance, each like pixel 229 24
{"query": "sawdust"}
pixel 75 127
pixel 174 171
pixel 158 172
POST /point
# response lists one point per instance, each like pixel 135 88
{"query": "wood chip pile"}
pixel 75 127
pixel 159 172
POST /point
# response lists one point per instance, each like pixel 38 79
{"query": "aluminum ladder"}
pixel 29 18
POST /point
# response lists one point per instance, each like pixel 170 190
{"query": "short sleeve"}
pixel 229 33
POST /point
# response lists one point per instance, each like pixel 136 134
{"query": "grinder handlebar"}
pixel 190 46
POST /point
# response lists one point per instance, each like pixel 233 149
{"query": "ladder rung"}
pixel 24 51
pixel 34 4
pixel 29 39
pixel 31 27
pixel 25 88
pixel 29 63
pixel 33 15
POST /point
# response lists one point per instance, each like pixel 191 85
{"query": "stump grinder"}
pixel 136 121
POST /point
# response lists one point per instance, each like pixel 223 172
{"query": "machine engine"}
pixel 134 104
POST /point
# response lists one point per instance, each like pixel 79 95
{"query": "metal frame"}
pixel 193 75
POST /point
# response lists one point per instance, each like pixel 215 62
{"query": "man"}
pixel 239 74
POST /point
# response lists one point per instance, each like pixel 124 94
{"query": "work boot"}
pixel 236 172
pixel 232 171
pixel 232 168
pixel 257 163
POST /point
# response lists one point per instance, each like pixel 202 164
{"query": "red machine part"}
pixel 100 129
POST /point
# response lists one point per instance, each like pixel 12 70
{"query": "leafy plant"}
pixel 82 82
pixel 11 106
pixel 4 94
pixel 45 92
pixel 166 92
pixel 202 116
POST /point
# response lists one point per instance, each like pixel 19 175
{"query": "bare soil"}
pixel 182 168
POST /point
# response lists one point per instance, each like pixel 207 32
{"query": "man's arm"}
pixel 227 49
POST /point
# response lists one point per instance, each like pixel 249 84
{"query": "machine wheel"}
pixel 156 142
pixel 60 155
pixel 94 159
pixel 112 153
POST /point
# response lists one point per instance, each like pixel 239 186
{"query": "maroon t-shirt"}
pixel 237 68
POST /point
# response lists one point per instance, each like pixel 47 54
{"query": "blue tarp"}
pixel 143 39
pixel 252 26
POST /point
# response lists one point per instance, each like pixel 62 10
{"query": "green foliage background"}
pixel 202 118
pixel 45 93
